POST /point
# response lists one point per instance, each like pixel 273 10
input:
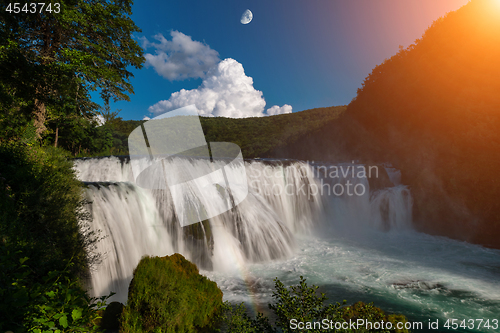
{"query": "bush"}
pixel 168 294
pixel 42 249
pixel 53 304
pixel 42 208
pixel 303 304
pixel 372 314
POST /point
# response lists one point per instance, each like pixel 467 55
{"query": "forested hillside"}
pixel 257 137
pixel 433 110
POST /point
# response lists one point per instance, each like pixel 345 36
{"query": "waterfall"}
pixel 286 199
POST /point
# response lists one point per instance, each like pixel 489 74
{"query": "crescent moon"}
pixel 246 17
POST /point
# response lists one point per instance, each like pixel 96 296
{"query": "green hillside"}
pixel 257 137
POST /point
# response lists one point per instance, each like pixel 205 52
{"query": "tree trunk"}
pixel 46 56
pixel 57 136
pixel 40 113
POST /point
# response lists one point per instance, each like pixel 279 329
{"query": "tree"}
pixel 110 117
pixel 52 59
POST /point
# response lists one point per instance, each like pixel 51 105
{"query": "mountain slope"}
pixel 433 110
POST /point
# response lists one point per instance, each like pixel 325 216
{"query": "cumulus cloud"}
pixel 180 58
pixel 275 110
pixel 146 118
pixel 226 91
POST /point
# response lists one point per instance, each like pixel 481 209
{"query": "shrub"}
pixel 372 314
pixel 303 304
pixel 42 247
pixel 236 320
pixel 167 294
pixel 54 303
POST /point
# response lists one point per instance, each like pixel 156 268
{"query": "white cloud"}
pixel 180 58
pixel 146 118
pixel 226 91
pixel 275 110
pixel 100 120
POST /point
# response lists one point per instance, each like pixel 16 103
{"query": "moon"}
pixel 246 17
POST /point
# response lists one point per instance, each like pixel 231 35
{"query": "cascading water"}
pixel 138 222
pixel 296 220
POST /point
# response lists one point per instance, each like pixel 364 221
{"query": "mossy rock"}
pixel 168 294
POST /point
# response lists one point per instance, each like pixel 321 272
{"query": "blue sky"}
pixel 300 54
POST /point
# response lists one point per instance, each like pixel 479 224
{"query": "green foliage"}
pixel 15 89
pixel 41 218
pixel 50 62
pixel 29 135
pixel 169 295
pixel 119 131
pixel 236 320
pixel 261 136
pixel 372 314
pixel 55 303
pixel 80 136
pixel 43 207
pixel 303 304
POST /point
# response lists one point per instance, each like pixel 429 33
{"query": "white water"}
pixel 138 222
pixel 353 247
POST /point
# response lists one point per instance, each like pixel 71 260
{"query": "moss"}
pixel 167 294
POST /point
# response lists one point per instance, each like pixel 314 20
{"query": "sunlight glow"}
pixel 496 4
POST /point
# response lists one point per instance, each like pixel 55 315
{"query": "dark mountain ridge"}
pixel 433 110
